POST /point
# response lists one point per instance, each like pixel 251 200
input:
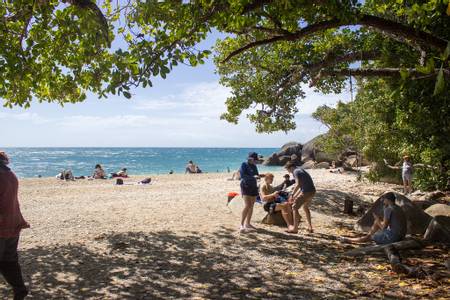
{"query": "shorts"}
pixel 305 198
pixel 406 176
pixel 385 236
pixel 249 188
pixel 270 206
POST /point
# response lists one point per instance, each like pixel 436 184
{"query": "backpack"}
pixel 119 181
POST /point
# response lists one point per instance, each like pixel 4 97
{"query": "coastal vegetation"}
pixel 398 52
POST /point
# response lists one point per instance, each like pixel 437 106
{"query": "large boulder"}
pixel 309 164
pixel 272 160
pixel 417 219
pixel 312 151
pixel 290 149
pixel 322 165
pixel 438 230
pixel 438 210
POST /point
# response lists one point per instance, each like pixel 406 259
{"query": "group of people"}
pixel 99 173
pixel 276 199
pixel 389 228
pixel 192 168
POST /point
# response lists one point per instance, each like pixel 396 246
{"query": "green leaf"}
pixel 440 83
pixel 127 94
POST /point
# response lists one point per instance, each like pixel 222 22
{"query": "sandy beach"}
pixel 176 238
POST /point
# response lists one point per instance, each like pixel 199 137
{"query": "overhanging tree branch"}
pixel 383 25
pixel 377 72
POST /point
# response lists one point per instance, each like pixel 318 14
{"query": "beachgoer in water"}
pixel 274 200
pixel 99 173
pixel 302 195
pixel 392 228
pixel 249 189
pixel 11 223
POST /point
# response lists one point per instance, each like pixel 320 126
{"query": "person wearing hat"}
pixel 11 223
pixel 249 189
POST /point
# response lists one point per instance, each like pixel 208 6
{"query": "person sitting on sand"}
pixel 392 228
pixel 302 195
pixel 122 173
pixel 273 200
pixel 191 168
pixel 99 173
pixel 285 184
pixel 11 224
pixel 236 176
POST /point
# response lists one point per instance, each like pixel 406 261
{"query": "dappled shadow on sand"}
pixel 165 264
pixel 331 202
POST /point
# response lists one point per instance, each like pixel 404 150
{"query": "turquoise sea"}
pixel 47 162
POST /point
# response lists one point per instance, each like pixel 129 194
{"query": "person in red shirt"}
pixel 11 223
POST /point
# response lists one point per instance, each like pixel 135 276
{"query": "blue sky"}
pixel 181 111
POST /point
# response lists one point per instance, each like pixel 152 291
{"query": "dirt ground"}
pixel 176 238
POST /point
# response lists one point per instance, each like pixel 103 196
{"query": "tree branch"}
pixel 88 4
pixel 379 72
pixel 378 23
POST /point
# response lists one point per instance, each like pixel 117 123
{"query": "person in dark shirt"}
pixel 302 195
pixel 11 223
pixel 249 189
pixel 392 228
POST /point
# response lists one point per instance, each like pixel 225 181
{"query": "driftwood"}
pixel 402 245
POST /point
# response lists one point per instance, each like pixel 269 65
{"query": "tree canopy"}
pixel 57 51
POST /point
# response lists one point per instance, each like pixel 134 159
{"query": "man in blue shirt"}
pixel 303 193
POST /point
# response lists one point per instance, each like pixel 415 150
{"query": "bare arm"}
pixel 391 167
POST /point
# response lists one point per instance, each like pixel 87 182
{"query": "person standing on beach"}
pixel 249 190
pixel 407 171
pixel 11 223
pixel 302 195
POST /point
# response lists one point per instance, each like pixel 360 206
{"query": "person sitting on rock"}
pixel 273 200
pixel 392 228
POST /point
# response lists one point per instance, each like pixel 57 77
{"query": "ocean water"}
pixel 47 162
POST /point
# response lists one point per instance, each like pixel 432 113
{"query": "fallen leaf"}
pixel 402 284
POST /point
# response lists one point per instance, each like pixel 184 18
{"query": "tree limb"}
pixel 88 4
pixel 381 72
pixel 384 25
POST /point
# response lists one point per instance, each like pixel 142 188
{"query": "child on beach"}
pixel 249 190
pixel 274 200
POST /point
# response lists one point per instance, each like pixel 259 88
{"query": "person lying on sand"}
pixel 274 201
pixel 65 175
pixel 122 173
pixel 390 229
pixel 99 173
pixel 302 195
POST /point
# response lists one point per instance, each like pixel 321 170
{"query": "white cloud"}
pixel 26 116
pixel 204 99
